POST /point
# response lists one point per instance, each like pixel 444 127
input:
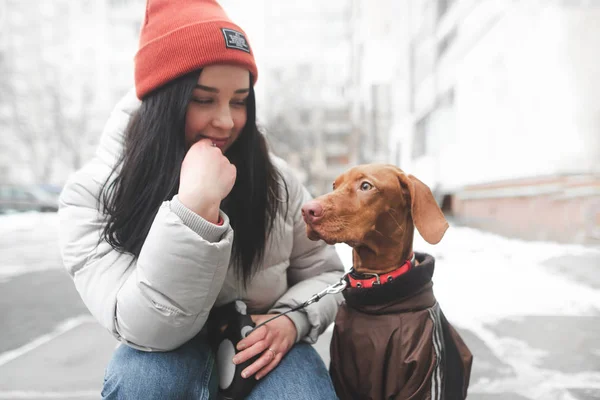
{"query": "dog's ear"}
pixel 426 214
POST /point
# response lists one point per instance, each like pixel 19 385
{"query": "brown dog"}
pixel 391 339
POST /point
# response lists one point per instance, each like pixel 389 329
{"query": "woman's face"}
pixel 217 110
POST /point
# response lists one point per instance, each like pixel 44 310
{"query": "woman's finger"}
pixel 255 349
pixel 264 360
pixel 254 337
pixel 269 367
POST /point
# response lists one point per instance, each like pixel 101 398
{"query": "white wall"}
pixel 527 96
pixel 519 110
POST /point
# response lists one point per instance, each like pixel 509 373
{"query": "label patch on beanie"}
pixel 235 40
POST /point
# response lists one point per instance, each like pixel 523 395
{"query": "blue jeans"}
pixel 189 372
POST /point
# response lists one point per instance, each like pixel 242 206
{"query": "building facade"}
pixel 307 68
pixel 502 115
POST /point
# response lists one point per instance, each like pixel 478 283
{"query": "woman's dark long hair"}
pixel 148 174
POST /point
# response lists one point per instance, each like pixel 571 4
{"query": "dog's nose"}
pixel 312 211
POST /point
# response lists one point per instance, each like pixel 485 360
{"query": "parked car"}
pixel 19 198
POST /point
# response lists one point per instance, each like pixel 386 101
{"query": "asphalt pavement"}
pixel 51 348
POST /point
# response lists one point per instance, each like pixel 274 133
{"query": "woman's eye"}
pixel 202 101
pixel 366 186
pixel 239 103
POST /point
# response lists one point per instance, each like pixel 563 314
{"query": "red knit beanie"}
pixel 180 36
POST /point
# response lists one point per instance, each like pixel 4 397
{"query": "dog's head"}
pixel 375 205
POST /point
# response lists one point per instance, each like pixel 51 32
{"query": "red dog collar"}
pixel 366 280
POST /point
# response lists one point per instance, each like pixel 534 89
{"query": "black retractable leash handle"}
pixel 228 325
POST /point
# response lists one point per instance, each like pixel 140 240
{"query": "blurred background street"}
pixel 529 311
pixel 494 104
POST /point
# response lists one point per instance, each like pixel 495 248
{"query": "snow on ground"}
pixel 28 221
pixel 25 239
pixel 482 278
pixel 479 276
pixel 485 277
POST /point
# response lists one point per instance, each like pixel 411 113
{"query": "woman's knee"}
pixel 301 375
pixel 185 373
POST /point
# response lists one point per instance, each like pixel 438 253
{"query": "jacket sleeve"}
pixel 161 299
pixel 313 267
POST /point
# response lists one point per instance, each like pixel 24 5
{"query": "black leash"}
pixel 337 287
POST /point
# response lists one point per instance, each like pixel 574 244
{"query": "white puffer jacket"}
pixel 162 299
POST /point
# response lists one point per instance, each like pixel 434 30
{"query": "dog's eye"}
pixel 366 186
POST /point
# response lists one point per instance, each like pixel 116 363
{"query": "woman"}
pixel 183 209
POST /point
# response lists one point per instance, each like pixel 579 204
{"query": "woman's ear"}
pixel 426 214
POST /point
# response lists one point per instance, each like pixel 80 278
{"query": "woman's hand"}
pixel 272 340
pixel 206 178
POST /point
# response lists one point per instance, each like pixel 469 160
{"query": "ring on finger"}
pixel 273 352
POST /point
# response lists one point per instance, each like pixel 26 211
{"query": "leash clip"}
pixel 332 289
pixel 337 287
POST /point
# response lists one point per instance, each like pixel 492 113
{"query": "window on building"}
pixel 304 117
pixel 336 114
pixel 336 136
pixel 446 99
pixel 422 128
pixel 423 49
pixel 446 43
pixel 304 72
pixel 381 113
pixel 443 6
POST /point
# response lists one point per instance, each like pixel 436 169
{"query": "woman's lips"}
pixel 220 143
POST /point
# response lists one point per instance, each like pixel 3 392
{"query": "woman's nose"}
pixel 223 119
